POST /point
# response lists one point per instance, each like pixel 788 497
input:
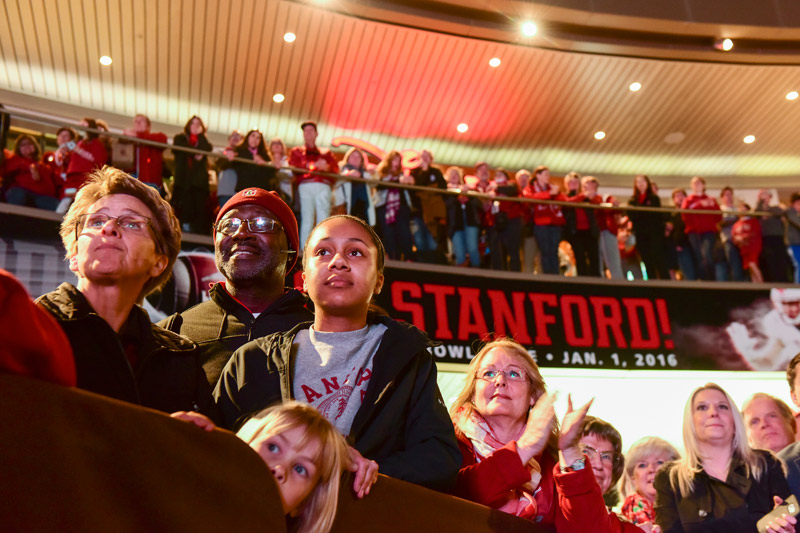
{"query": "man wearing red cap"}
pixel 255 243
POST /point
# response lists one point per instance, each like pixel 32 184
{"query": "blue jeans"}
pixel 397 239
pixel 734 261
pixel 466 242
pixel 686 263
pixel 20 196
pixel 794 255
pixel 548 237
pixel 703 247
pixel 423 239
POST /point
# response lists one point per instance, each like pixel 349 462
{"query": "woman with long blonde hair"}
pixel 721 484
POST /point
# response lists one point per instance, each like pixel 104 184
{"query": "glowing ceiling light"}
pixel 750 139
pixel 635 86
pixel 725 45
pixel 792 95
pixel 600 135
pixel 289 37
pixel 462 127
pixel 494 62
pixel 278 98
pixel 105 60
pixel 529 29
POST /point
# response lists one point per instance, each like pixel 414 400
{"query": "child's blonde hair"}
pixel 318 510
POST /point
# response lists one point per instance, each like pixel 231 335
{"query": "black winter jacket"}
pixel 732 506
pixel 402 423
pixel 222 325
pixel 167 375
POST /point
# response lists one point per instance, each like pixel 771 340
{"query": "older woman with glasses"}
pixel 122 239
pixel 510 444
pixel 721 483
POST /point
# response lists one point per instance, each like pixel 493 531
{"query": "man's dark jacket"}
pixel 402 423
pixel 167 374
pixel 221 325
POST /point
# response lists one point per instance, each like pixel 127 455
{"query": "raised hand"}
pixel 538 428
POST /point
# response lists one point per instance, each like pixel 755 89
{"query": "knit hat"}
pixel 33 344
pixel 271 201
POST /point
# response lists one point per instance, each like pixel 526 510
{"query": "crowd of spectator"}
pixel 370 378
pixel 489 230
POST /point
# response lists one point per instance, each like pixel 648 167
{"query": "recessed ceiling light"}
pixel 289 37
pixel 494 62
pixel 600 135
pixel 635 86
pixel 105 60
pixel 462 127
pixel 529 29
pixel 675 137
pixel 278 98
pixel 749 139
pixel 725 45
pixel 792 95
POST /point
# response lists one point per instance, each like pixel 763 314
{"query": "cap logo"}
pixel 250 192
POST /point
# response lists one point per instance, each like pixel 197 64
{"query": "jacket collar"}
pixel 68 304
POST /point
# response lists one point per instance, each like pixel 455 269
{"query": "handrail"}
pixel 375 183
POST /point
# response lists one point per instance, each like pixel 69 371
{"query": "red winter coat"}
pixel 149 159
pixel 303 157
pixel 545 215
pixel 571 501
pixel 700 223
pixel 17 173
pixel 88 156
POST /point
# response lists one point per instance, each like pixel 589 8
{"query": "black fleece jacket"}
pixel 402 423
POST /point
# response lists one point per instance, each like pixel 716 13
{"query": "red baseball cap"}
pixel 271 201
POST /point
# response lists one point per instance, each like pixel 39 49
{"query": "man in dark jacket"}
pixel 256 244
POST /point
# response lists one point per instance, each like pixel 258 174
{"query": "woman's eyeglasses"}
pixel 490 374
pixel 607 458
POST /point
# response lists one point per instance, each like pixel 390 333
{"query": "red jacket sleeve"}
pixel 581 506
pixel 488 481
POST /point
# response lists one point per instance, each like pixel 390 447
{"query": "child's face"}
pixel 294 469
pixel 341 272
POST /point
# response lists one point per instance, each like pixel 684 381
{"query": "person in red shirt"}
pixel 86 157
pixel 702 230
pixel 548 219
pixel 314 190
pixel 148 159
pixel 507 223
pixel 58 161
pixel 746 235
pixel 583 229
pixel 27 180
pixel 515 458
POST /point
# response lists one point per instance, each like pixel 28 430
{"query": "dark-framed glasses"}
pixel 229 226
pixel 128 223
pixel 607 458
pixel 491 374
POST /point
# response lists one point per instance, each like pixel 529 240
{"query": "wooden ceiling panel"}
pixel 399 87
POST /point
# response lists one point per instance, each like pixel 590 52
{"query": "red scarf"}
pixel 521 501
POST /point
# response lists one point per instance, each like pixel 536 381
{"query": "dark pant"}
pixel 703 247
pixel 651 248
pixel 548 237
pixel 774 261
pixel 20 196
pixel 587 255
pixel 505 245
pixel 396 236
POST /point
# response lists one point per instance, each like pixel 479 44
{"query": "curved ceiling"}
pixel 409 83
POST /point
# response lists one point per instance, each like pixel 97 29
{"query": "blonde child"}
pixel 307 456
